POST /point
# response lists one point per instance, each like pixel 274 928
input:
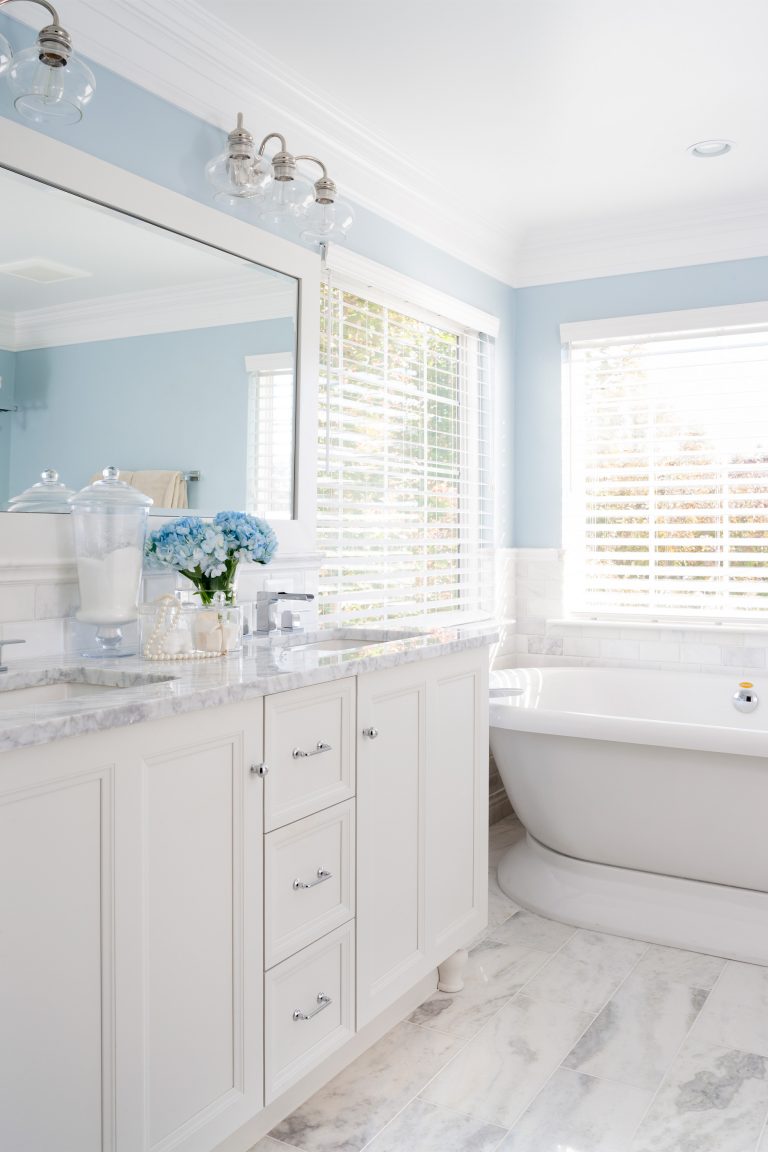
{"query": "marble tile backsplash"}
pixel 542 636
pixel 38 603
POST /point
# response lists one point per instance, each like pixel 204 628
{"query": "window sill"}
pixel 721 627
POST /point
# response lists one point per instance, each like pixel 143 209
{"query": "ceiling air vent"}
pixel 42 271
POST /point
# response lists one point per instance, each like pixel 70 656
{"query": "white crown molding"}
pixel 180 51
pixel 349 267
pixel 735 231
pixel 146 313
pixel 183 53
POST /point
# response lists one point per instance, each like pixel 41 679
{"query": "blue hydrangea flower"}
pixel 208 553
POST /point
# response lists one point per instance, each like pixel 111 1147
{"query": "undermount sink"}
pixel 337 640
pixel 67 684
pixel 332 645
pixel 46 693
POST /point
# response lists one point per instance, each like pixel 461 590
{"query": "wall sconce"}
pixel 49 84
pixel 284 194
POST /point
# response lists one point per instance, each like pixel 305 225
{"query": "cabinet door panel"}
pixel 457 802
pixel 391 938
pixel 190 891
pixel 54 860
pixel 192 932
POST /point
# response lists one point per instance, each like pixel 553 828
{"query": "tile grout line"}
pixel 602 1007
pixel 458 1052
pixel 679 1049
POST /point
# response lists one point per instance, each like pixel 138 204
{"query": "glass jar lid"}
pixel 49 494
pixel 110 490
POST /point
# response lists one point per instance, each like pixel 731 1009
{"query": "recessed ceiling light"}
pixel 708 149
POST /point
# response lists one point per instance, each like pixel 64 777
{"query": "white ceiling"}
pixel 537 139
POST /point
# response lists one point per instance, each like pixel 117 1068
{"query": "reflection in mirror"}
pixel 122 343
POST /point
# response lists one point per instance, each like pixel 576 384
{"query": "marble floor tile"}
pixel 497 1074
pixel 270 1145
pixel 349 1111
pixel 422 1127
pixel 712 1100
pixel 690 968
pixel 500 907
pixel 494 974
pixel 533 931
pixel 637 1034
pixel 736 1015
pixel 579 1112
pixel 587 970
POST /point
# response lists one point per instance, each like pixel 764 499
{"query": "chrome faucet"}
pixel 4 667
pixel 265 622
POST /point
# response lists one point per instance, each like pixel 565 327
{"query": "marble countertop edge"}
pixel 176 688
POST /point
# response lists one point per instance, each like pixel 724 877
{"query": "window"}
pixel 666 509
pixel 270 435
pixel 405 502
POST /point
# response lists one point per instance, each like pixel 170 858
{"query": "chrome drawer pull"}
pixel 299 753
pixel 322 1002
pixel 322 875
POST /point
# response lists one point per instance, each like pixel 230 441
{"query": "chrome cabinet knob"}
pixel 259 769
pixel 371 733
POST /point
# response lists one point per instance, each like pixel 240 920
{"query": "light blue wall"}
pixel 537 407
pixel 176 400
pixel 133 129
pixel 7 392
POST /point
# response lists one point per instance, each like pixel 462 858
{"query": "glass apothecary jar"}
pixel 110 526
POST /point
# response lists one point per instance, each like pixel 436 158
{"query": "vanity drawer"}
pixel 308 880
pixel 309 1009
pixel 309 740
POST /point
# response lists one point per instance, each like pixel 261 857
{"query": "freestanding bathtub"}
pixel 645 800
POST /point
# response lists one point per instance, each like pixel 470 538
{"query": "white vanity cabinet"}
pixel 131 936
pixel 422 820
pixel 197 912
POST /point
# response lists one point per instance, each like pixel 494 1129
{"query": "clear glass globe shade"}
pixel 49 95
pixel 6 55
pixel 242 177
pixel 327 221
pixel 287 200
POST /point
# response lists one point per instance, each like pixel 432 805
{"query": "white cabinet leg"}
pixel 451 972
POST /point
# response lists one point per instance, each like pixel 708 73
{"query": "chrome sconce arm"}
pixel 48 83
pixel 284 196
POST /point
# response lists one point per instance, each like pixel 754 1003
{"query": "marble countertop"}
pixel 151 690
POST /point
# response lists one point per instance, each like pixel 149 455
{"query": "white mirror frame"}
pixel 41 538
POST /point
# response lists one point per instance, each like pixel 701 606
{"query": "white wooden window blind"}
pixel 666 502
pixel 405 500
pixel 271 435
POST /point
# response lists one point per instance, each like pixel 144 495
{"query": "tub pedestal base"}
pixel 711 918
pixel 451 972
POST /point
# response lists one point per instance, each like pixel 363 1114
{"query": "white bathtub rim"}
pixel 713 919
pixel 703 737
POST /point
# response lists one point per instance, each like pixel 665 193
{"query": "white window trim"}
pixel 715 321
pixel 393 289
pixel 662 323
pixel 354 273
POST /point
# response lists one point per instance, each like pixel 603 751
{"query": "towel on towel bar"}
pixel 167 489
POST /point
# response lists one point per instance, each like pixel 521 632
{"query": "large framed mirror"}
pixel 142 330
